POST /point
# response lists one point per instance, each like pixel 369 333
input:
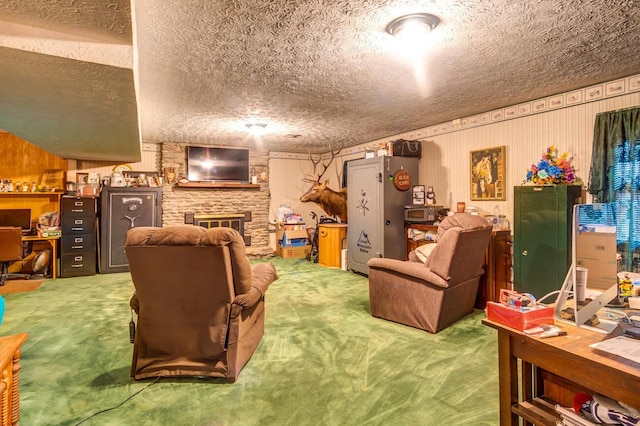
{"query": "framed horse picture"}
pixel 488 174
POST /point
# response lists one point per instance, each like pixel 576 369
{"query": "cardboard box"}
pixel 291 238
pixel 289 226
pixel 516 318
pixel 293 252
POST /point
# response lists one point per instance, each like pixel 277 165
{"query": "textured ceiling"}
pixel 75 76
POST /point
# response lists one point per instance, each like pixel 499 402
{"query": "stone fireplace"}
pixel 214 206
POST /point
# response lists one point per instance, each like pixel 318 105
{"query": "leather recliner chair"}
pixel 434 294
pixel 199 302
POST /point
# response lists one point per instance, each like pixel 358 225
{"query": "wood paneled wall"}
pixel 22 161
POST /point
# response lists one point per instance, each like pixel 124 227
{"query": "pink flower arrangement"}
pixel 552 169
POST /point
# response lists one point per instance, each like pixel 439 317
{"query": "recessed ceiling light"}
pixel 256 129
pixel 412 26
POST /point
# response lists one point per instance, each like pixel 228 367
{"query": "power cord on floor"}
pixel 119 405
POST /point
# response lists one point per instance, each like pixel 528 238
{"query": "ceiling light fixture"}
pixel 256 129
pixel 412 26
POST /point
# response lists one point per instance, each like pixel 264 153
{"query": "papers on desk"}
pixel 625 347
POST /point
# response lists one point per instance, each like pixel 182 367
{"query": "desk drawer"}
pixel 77 243
pixel 78 225
pixel 78 264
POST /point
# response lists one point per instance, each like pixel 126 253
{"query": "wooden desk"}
pixel 53 242
pixel 554 369
pixel 10 382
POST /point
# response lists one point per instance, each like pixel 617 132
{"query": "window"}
pixel 626 188
pixel 615 177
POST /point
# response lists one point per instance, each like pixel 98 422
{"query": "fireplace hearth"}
pixel 234 221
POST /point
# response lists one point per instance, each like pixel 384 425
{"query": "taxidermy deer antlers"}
pixel 332 202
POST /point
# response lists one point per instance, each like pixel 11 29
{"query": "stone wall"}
pixel 177 201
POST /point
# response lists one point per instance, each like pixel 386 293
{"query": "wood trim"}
pixel 218 185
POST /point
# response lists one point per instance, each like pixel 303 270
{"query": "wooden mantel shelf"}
pixel 219 185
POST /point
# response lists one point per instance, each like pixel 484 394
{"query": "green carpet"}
pixel 324 360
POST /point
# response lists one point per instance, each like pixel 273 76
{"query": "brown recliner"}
pixel 434 294
pixel 199 302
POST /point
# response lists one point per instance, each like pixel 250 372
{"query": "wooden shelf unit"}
pixel 218 185
pixel 410 244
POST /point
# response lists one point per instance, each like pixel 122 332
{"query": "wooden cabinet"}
pixel 10 384
pixel 331 240
pixel 497 263
pixel 78 251
pixel 497 268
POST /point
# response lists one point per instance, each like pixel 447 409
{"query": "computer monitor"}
pixel 16 217
pixel 593 248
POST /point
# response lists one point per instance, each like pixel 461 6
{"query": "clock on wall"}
pixel 123 168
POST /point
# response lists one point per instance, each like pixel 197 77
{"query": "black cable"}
pixel 119 405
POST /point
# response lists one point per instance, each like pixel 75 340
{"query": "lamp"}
pixel 412 26
pixel 256 129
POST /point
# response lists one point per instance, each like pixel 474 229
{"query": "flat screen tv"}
pixel 216 164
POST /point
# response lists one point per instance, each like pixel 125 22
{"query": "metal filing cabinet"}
pixel 542 236
pixel 78 244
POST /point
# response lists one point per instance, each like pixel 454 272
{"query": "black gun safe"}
pixel 121 210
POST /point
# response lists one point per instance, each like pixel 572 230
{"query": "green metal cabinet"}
pixel 542 237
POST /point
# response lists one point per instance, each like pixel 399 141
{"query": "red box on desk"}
pixel 516 318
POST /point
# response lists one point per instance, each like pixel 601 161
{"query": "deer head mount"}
pixel 332 202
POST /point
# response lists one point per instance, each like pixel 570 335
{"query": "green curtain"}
pixel 611 130
pixel 615 177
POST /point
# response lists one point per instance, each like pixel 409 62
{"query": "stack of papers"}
pixel 625 347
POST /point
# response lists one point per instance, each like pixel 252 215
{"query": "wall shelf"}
pixel 32 194
pixel 219 185
pixel 38 202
